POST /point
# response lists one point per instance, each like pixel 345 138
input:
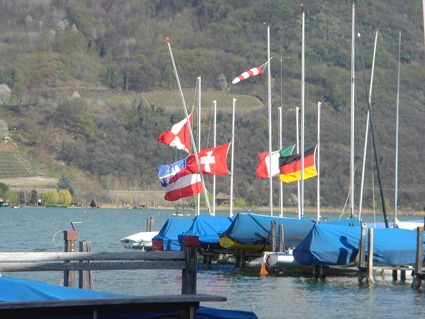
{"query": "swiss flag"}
pixel 213 161
pixel 179 136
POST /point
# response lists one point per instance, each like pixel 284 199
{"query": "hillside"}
pixel 92 87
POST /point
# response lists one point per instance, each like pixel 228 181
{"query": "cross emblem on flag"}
pixel 207 160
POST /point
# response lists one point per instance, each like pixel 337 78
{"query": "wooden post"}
pixel 281 238
pixel 190 244
pixel 417 280
pixel 150 223
pixel 370 257
pixel 85 279
pixel 362 255
pixel 70 238
pixel 273 231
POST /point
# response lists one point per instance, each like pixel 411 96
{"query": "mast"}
pixel 302 112
pixel 280 147
pixel 198 212
pixel 215 145
pixel 318 161
pixel 297 115
pixel 353 80
pixel 190 126
pixel 396 132
pixel 233 154
pixel 269 99
pixel 367 128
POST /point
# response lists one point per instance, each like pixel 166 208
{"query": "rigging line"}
pixel 373 137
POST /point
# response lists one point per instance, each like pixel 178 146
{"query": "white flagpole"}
pixel 353 82
pixel 215 145
pixel 302 112
pixel 280 147
pixel 270 120
pixel 318 160
pixel 199 134
pixel 190 127
pixel 231 164
pixel 396 141
pixel 298 151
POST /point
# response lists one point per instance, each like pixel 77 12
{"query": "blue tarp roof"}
pixel 328 244
pixel 169 233
pixel 209 228
pixel 15 290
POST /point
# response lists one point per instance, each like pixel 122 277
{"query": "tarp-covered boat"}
pixel 168 236
pixel 327 244
pixel 209 228
pixel 251 232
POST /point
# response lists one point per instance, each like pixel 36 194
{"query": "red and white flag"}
pixel 179 136
pixel 213 161
pixel 183 184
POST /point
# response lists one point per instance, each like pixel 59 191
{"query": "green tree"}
pixel 64 197
pixel 50 197
pixel 12 197
pixel 3 189
pixel 65 183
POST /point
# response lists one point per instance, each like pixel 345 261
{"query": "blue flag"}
pixel 165 172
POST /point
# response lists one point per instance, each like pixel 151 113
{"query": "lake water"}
pixel 270 297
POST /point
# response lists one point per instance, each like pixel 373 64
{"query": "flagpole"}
pixel 302 111
pixel 298 151
pixel 280 147
pixel 397 121
pixel 199 134
pixel 233 154
pixel 318 160
pixel 270 119
pixel 190 126
pixel 215 145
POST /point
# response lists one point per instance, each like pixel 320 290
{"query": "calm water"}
pixel 271 297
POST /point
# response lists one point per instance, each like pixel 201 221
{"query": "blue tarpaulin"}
pixel 209 228
pixel 328 244
pixel 16 290
pixel 169 233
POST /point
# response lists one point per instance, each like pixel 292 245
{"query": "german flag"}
pixel 290 166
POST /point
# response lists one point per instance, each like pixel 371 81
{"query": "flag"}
pixel 290 166
pixel 183 184
pixel 179 136
pixel 263 165
pixel 213 161
pixel 167 171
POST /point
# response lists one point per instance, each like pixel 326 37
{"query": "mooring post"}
pixel 362 255
pixel 191 245
pixel 281 238
pixel 70 238
pixel 85 279
pixel 417 280
pixel 273 235
pixel 370 278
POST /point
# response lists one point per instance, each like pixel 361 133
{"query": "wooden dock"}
pixel 84 262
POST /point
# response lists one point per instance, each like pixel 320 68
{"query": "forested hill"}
pixel 92 87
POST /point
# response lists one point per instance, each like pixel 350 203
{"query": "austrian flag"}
pixel 179 136
pixel 213 161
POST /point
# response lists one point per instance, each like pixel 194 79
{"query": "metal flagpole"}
pixel 215 145
pixel 270 120
pixel 302 113
pixel 233 154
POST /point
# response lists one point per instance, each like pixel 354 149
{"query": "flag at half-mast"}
pixel 290 166
pixel 251 72
pixel 178 136
pixel 213 161
pixel 263 169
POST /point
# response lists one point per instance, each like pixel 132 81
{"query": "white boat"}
pixel 142 240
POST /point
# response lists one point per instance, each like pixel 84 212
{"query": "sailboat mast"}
pixel 396 132
pixel 367 128
pixel 302 111
pixel 353 80
pixel 189 125
pixel 269 95
pixel 198 212
pixel 215 145
pixel 233 159
pixel 318 160
pixel 280 147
